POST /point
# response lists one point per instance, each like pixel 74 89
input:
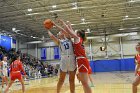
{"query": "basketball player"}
pixel 16 68
pixel 67 63
pixel 79 51
pixel 137 69
pixel 4 70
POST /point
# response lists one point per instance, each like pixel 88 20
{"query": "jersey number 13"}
pixel 66 45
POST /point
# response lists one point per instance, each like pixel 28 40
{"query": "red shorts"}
pixel 138 73
pixel 90 70
pixel 15 75
pixel 83 65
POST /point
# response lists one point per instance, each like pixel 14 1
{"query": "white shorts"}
pixel 68 63
pixel 4 73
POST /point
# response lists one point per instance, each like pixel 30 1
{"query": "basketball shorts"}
pixel 83 65
pixel 15 75
pixel 138 73
pixel 4 73
pixel 68 63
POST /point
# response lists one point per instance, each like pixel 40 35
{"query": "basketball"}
pixel 48 23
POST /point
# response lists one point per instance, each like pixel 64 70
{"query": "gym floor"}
pixel 108 82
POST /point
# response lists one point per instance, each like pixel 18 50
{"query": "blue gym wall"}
pixel 113 65
pixel 5 41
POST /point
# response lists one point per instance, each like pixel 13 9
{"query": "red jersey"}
pixel 137 58
pixel 79 49
pixel 17 66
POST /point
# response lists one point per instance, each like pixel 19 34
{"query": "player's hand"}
pixel 60 21
pixel 53 23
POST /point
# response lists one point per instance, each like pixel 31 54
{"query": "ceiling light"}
pixel 83 23
pixel 34 37
pixel 75 3
pixel 126 16
pixel 75 7
pixel 73 24
pixel 134 28
pixel 29 10
pixel 55 11
pixel 13 29
pixel 31 36
pixel 53 6
pixel 83 19
pixel 88 29
pixel 133 33
pixel 132 1
pixel 32 14
pixel 124 34
pixel 121 29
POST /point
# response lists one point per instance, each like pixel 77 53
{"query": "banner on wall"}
pixel 5 41
pixel 56 53
pixel 43 53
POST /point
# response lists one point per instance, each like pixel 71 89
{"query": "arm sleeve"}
pixel 21 67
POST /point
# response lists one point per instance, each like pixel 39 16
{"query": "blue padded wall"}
pixel 113 65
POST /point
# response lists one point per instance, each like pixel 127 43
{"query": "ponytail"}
pixel 82 34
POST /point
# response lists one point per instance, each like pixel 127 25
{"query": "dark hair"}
pixel 3 57
pixel 82 35
pixel 15 57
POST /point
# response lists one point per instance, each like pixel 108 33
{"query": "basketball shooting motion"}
pixel 79 51
pixel 67 63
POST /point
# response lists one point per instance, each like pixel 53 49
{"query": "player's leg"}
pixel 91 79
pixel 21 80
pixel 135 84
pixel 61 81
pixel 6 80
pixel 72 81
pixel 9 85
pixel 3 81
pixel 84 80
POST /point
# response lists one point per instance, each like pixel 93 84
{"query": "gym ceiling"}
pixel 23 19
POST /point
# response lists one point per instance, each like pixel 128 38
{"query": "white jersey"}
pixel 66 47
pixel 67 56
pixel 4 68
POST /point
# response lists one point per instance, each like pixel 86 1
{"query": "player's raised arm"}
pixel 60 28
pixel 48 24
pixel 55 39
pixel 69 30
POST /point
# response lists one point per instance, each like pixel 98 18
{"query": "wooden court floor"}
pixel 112 82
